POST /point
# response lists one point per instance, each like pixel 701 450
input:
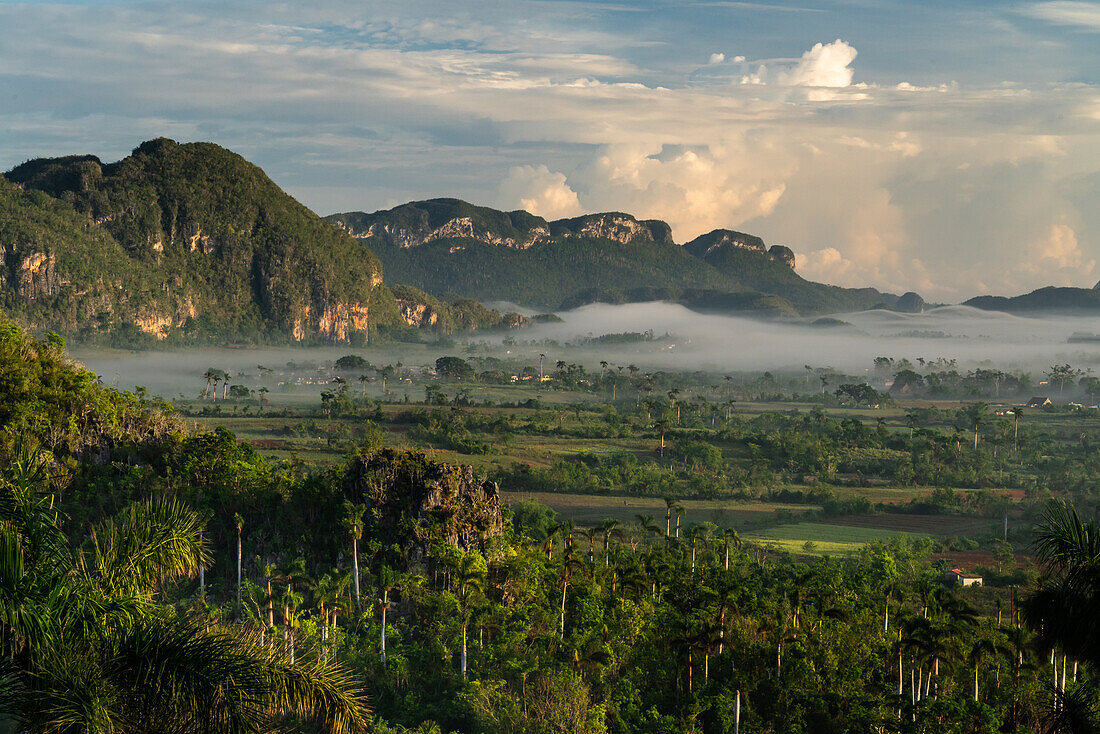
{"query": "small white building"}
pixel 955 576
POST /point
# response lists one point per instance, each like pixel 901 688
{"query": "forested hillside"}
pixel 279 596
pixel 181 242
pixel 448 246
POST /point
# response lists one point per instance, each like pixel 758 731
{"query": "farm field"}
pixel 826 539
pixel 942 525
pixel 589 510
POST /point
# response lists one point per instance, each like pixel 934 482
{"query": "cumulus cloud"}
pixel 1057 256
pixel 694 189
pixel 716 58
pixel 540 191
pixel 926 184
pixel 824 65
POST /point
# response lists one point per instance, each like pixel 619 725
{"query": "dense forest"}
pixel 399 584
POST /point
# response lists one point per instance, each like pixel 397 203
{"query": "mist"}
pixel 682 340
pixel 724 343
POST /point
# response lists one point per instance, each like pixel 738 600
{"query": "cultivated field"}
pixel 824 539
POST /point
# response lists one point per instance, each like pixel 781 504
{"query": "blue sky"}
pixel 950 148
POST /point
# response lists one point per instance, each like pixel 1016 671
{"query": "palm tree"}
pixel 386 579
pixel 976 414
pixel 469 580
pixel 609 528
pixel 570 565
pixel 978 651
pixel 1065 606
pixel 729 537
pixel 645 522
pixel 226 377
pixel 87 648
pixel 1016 413
pixel 353 522
pixel 670 505
pixel 210 375
pixel 238 521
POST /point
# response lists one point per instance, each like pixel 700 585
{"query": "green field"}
pixel 589 510
pixel 832 540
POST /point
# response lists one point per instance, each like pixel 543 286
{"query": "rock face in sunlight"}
pixel 448 246
pixel 412 499
pixel 614 226
pixel 185 238
pixel 422 222
pixel 707 243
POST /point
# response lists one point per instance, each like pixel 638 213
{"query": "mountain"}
pixel 424 311
pixel 448 246
pixel 180 242
pixel 1051 298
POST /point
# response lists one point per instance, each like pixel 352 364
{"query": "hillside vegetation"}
pixel 448 246
pixel 182 242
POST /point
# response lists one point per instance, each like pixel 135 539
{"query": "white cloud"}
pixel 1066 12
pixel 824 65
pixel 695 189
pixel 716 59
pixel 540 191
pixel 940 187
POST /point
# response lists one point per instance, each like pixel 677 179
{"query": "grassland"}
pixel 815 538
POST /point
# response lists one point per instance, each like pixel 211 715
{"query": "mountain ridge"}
pixel 451 246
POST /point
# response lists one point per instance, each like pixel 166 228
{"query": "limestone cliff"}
pixel 179 241
pixel 414 501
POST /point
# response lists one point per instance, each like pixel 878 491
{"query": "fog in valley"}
pixel 682 339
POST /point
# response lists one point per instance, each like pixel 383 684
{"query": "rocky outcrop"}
pixel 418 315
pixel 155 325
pixel 615 226
pixel 424 222
pixel 910 303
pixel 782 254
pixel 459 228
pixel 414 502
pixel 183 235
pixel 335 321
pixel 705 244
pixel 36 276
pixel 717 242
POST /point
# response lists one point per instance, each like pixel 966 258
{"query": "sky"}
pixel 944 147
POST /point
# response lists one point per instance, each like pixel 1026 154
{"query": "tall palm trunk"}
pixel 464 650
pixel 385 606
pixel 238 565
pixel 355 567
pixel 561 623
pixel 737 713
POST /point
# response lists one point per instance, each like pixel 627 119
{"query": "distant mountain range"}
pixel 191 242
pixel 451 246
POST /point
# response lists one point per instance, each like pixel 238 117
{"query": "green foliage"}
pixel 561 268
pixel 244 260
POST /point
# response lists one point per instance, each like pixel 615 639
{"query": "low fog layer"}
pixel 712 342
pixel 730 343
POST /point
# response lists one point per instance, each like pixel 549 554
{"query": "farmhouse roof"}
pixel 1038 402
pixel 963 574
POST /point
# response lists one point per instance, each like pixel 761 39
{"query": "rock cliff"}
pixel 186 241
pixel 413 501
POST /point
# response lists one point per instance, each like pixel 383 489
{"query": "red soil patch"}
pixel 967 560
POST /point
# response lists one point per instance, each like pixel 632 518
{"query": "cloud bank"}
pixel 951 152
